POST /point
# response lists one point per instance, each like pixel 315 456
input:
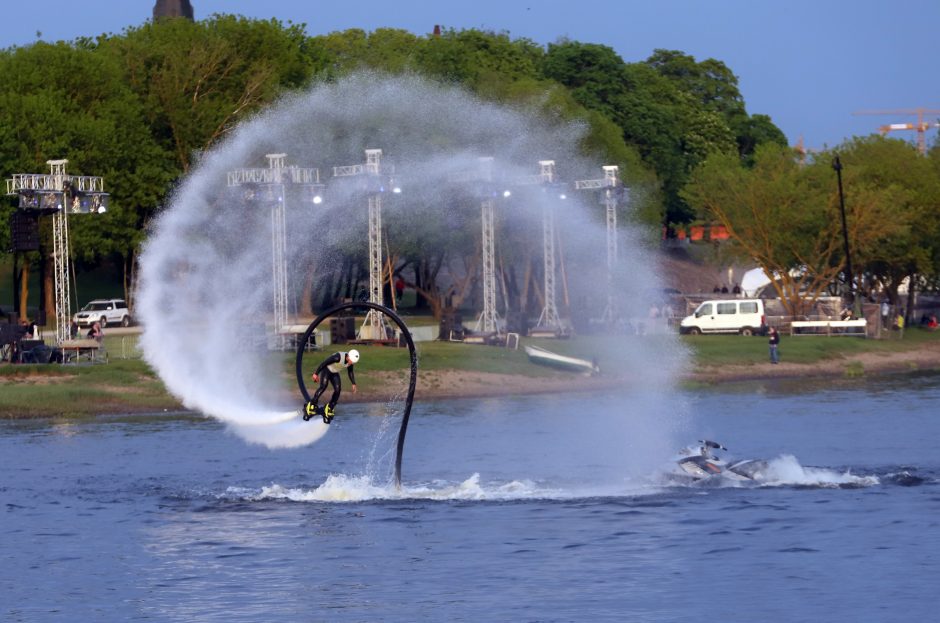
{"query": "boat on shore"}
pixel 545 357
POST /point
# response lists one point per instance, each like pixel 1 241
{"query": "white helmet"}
pixel 353 356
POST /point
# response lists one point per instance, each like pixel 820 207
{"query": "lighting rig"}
pixel 377 180
pixel 612 190
pixel 487 192
pixel 549 320
pixel 60 195
pixel 489 322
pixel 267 187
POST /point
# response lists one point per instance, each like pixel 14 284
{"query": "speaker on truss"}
pixel 89 203
pixel 29 200
pixel 24 231
pixel 50 201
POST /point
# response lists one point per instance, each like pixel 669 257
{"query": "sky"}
pixel 808 64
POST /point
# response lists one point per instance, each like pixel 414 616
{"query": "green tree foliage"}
pixel 675 110
pixel 786 216
pixel 905 188
pixel 68 100
pixel 196 80
pixel 139 106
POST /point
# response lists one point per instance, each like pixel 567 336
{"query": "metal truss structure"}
pixel 549 318
pixel 489 319
pixel 610 184
pixel 274 180
pixel 59 194
pixel 374 327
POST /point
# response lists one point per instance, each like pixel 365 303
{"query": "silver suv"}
pixel 105 311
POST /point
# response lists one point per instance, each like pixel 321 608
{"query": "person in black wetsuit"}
pixel 328 374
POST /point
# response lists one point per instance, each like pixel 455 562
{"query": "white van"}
pixel 744 316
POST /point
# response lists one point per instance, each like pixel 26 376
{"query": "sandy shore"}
pixel 452 383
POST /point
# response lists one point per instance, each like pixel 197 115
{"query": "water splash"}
pixel 205 278
pixel 786 470
pixel 344 488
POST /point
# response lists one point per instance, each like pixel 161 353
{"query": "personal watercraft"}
pixel 701 463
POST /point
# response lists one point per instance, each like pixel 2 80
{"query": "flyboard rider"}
pixel 328 373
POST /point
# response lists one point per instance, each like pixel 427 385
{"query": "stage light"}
pixel 507 193
pixel 317 199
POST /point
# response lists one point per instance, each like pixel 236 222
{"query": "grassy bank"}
pixel 717 350
pixel 127 384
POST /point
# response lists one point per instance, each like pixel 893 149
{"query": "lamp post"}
pixel 837 165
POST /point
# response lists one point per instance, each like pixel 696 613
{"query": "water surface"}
pixel 531 509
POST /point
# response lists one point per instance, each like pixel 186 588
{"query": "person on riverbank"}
pixel 773 341
pixel 328 373
pixel 95 332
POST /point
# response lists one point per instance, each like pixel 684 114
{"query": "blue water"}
pixel 521 509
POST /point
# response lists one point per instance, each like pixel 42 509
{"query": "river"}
pixel 526 509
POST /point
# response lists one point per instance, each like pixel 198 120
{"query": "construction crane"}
pixel 920 127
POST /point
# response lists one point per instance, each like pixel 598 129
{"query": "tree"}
pixel 69 101
pixel 713 86
pixel 785 217
pixel 892 171
pixel 198 79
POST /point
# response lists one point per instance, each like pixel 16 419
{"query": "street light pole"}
pixel 837 165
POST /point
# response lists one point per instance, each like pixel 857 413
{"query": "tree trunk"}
pixel 48 287
pixel 911 286
pixel 305 309
pixel 526 280
pixel 24 286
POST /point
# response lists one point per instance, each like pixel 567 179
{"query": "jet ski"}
pixel 700 462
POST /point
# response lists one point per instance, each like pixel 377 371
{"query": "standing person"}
pixel 328 373
pixel 773 341
pixel 885 313
pixel 399 288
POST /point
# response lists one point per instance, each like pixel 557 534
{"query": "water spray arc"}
pixel 412 353
pixel 435 133
pixel 268 186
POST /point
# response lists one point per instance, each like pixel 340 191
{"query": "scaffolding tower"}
pixel 59 194
pixel 268 185
pixel 610 184
pixel 489 320
pixel 374 327
pixel 549 318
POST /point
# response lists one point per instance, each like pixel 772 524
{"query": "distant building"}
pixel 172 8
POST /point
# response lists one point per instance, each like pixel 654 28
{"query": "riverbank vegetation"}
pixel 138 107
pixel 126 384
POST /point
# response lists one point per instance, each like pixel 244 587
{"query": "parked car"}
pixel 744 316
pixel 104 311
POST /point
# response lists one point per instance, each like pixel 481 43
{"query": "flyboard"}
pixel 413 382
